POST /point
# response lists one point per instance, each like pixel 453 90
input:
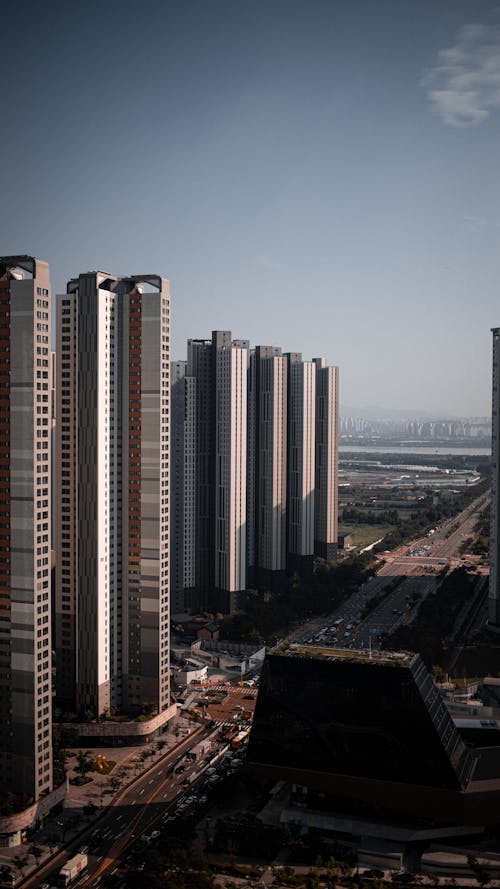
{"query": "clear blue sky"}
pixel 318 175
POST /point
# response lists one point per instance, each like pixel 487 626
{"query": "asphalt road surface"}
pixel 396 590
pixel 135 811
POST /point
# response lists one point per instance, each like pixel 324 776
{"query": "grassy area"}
pixel 364 535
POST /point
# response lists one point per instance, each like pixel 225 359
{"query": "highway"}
pixel 435 551
pixel 406 577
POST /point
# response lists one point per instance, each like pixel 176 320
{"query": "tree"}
pixel 480 872
pixel 36 852
pixel 114 782
pixel 5 875
pixel 20 861
pixel 84 762
pixel 313 878
pixel 332 872
pixel 52 840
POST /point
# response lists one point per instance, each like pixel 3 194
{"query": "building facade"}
pixel 25 483
pixel 231 368
pixel 267 466
pixel 211 428
pixel 301 461
pixel 494 588
pixel 370 729
pixel 256 444
pixel 201 369
pixel 326 507
pixel 183 488
pixel 112 602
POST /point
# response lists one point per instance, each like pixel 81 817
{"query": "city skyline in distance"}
pixel 320 176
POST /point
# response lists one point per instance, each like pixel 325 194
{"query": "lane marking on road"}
pixel 128 838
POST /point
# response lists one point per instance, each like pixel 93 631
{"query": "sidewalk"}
pixel 62 829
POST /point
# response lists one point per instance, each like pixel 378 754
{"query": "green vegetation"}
pixel 481 545
pixel 435 621
pixel 12 803
pixel 271 614
pixel 6 875
pixel 354 516
pixel 411 522
pixel 365 535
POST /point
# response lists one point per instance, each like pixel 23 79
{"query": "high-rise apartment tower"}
pixel 326 460
pixel 211 418
pixel 255 469
pixel 301 460
pixel 112 601
pixel 183 522
pixel 267 465
pixel 494 590
pixel 25 470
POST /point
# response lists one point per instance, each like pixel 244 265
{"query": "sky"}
pixel 323 176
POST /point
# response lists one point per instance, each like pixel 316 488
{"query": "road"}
pixel 438 550
pixel 407 576
pixel 135 811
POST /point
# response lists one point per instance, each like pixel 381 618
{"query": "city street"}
pixel 134 811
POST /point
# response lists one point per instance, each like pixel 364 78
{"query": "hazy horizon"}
pixel 320 176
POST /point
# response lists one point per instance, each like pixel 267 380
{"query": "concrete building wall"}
pixel 269 460
pixel 190 506
pixel 183 487
pixel 25 482
pixel 201 367
pixel 177 525
pixel 112 589
pixel 494 588
pixel 152 667
pixel 326 479
pixel 252 464
pixel 231 466
pixel 301 455
pixel 66 499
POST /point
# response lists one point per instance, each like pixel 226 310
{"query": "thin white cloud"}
pixel 268 263
pixel 474 223
pixel 463 88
